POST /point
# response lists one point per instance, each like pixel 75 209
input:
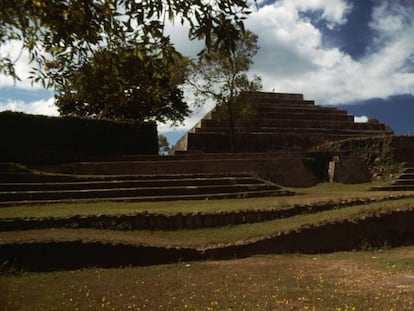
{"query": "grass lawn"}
pixel 321 192
pixel 204 237
pixel 363 280
pixel 374 280
pixel 207 236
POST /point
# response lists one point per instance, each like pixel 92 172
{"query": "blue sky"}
pixel 354 54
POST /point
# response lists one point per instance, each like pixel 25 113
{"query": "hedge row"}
pixel 34 139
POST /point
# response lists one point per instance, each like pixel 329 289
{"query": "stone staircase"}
pixel 403 154
pixel 276 121
pixel 22 186
pixel 282 168
pixel 404 182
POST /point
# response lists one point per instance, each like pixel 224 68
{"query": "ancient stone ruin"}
pixel 266 147
pixel 269 122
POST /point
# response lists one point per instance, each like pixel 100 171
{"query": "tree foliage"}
pixel 61 35
pixel 124 84
pixel 163 145
pixel 223 78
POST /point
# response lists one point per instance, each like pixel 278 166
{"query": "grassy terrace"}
pixel 322 192
pixel 381 279
pixel 207 236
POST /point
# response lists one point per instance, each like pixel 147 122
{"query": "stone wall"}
pixel 392 229
pixel 286 169
pixel 348 171
pixel 183 221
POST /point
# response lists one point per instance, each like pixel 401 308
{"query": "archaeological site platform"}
pixel 266 122
pixel 265 149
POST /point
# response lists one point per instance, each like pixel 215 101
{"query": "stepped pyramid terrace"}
pixel 268 148
pixel 274 122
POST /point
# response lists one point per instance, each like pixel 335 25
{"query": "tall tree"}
pixel 222 77
pixel 123 84
pixel 164 147
pixel 61 35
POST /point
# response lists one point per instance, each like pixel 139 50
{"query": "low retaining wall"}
pixel 393 229
pixel 147 221
pixel 289 171
pixel 71 255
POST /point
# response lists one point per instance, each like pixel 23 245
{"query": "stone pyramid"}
pixel 274 122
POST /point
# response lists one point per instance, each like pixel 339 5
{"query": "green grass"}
pixel 209 236
pixel 370 280
pixel 322 192
pixel 338 281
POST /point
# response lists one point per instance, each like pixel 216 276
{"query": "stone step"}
pixel 302 115
pixel 264 142
pixel 277 167
pixel 281 104
pixel 263 108
pixel 6 167
pixel 403 182
pixel 114 184
pixel 58 177
pixel 292 123
pixel 409 170
pixel 181 157
pixel 395 188
pixel 230 166
pixel 30 177
pixel 293 131
pixel 130 192
pixel 297 116
pixel 406 176
pixel 210 196
pixel 259 96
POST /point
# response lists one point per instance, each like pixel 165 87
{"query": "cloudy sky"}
pixel 354 54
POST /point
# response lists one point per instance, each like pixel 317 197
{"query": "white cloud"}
pixel 361 119
pixel 44 107
pixel 292 57
pixel 179 36
pixel 333 11
pixel 13 50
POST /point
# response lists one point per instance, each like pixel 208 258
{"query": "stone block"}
pixel 348 171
